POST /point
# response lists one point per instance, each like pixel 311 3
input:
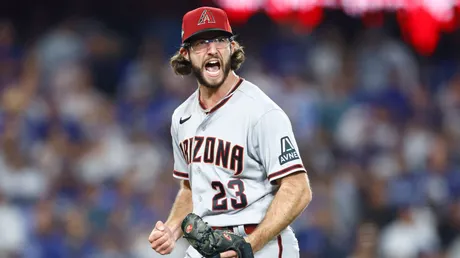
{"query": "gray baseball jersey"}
pixel 233 153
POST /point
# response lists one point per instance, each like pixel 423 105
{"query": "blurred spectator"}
pixel 449 229
pixel 59 47
pixel 85 147
pixel 14 228
pixel 366 241
pixel 10 55
pixel 412 234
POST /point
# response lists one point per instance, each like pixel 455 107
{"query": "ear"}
pixel 233 46
pixel 184 52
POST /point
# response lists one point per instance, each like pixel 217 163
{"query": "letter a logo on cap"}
pixel 206 17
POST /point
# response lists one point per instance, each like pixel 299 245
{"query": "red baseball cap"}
pixel 205 19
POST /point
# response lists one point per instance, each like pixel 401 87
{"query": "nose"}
pixel 212 48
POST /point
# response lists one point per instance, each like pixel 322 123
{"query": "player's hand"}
pixel 229 254
pixel 162 239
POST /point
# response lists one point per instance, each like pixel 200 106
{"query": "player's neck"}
pixel 209 97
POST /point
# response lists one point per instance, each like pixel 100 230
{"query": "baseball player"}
pixel 234 149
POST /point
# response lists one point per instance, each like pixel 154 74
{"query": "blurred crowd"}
pixel 86 159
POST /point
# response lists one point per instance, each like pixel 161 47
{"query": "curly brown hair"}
pixel 182 66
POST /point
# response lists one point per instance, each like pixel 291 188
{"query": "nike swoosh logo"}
pixel 181 121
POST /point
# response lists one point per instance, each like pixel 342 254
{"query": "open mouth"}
pixel 212 67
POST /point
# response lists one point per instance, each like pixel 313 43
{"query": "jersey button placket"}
pixel 205 121
pixel 201 127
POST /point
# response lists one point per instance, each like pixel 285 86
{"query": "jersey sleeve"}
pixel 275 145
pixel 180 166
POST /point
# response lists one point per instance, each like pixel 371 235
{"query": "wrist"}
pixel 175 229
pixel 255 245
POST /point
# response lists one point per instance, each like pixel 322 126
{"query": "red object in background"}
pixel 401 17
pixel 238 11
pixel 239 17
pixel 373 19
pixel 312 17
pixel 279 11
pixel 420 29
pixel 451 24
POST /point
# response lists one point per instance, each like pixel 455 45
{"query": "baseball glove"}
pixel 210 243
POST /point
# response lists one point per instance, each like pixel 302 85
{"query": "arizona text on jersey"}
pixel 233 153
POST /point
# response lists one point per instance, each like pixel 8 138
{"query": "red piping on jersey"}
pixel 216 107
pixel 180 174
pixel 280 247
pixel 284 171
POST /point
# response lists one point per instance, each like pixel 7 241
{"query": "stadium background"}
pixel 86 96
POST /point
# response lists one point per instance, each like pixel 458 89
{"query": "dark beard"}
pixel 199 75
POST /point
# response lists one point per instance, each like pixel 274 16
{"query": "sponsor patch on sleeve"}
pixel 288 153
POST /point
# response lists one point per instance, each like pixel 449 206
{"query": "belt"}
pixel 248 228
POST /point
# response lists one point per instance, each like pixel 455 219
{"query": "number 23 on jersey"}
pixel 220 201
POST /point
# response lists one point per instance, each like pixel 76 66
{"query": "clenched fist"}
pixel 162 239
